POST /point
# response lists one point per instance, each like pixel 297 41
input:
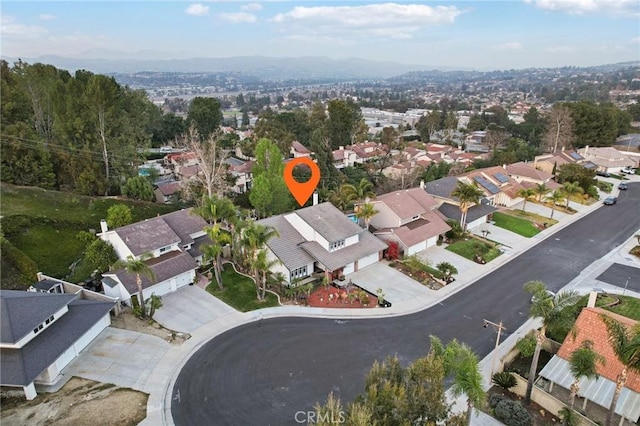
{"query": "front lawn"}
pixel 534 218
pixel 515 224
pixel 472 246
pixel 240 292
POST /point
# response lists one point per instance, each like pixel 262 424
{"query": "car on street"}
pixel 623 186
pixel 610 201
pixel 628 170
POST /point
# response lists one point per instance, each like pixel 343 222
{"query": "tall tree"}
pixel 626 345
pixel 360 192
pixel 138 267
pixel 205 114
pixel 468 194
pixel 550 309
pixel 583 363
pixel 269 194
pixel 254 240
pixel 570 189
pixel 366 212
pixel 119 215
pixel 213 252
pixel 556 197
pixel 216 209
pixel 541 190
pixel 526 194
pixel 343 123
pixel 560 129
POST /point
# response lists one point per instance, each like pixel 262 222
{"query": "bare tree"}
pixel 560 129
pixel 211 176
pixel 495 138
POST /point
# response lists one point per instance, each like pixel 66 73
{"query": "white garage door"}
pixel 368 260
pixel 64 359
pixel 416 248
pixel 159 289
pixel 184 279
pixel 91 334
pixel 348 269
pixel 477 222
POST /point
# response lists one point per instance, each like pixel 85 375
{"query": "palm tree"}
pixel 341 198
pixel 551 310
pixel 447 269
pixel 214 209
pixel 254 239
pixel 137 266
pixel 360 192
pixel 582 363
pixel 556 197
pixel 366 211
pixel 461 363
pixel 572 188
pixel 468 194
pixel 541 189
pixel 526 193
pixel 626 345
pixel 213 251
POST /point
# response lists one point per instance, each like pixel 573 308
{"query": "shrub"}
pixel 15 225
pixel 20 261
pixel 512 413
pixel 604 186
pixel 456 230
pixel 495 398
pixel 527 345
pixel 504 379
pixel 393 250
pixel 569 417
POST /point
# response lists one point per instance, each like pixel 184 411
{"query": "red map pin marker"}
pixel 301 191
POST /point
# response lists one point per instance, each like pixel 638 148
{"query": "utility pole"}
pixel 499 327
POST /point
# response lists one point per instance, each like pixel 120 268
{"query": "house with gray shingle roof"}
pixel 42 332
pixel 320 238
pixel 173 240
pixel 410 218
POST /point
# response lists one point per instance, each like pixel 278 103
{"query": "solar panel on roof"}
pixel 501 178
pixel 575 156
pixel 487 185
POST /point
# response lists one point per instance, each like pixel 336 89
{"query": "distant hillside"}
pixel 265 68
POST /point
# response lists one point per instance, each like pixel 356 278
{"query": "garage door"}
pixel 368 260
pixel 91 334
pixel 348 269
pixel 416 248
pixel 477 222
pixel 159 289
pixel 64 359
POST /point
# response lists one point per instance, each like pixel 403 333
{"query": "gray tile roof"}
pixel 164 267
pixel 198 243
pixel 476 212
pixel 329 222
pixel 184 223
pixel 148 235
pixel 367 245
pixel 287 245
pixel 442 187
pixel 22 311
pixel 19 367
pixel 108 281
pixel 45 285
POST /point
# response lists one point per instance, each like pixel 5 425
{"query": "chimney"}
pixel 341 148
pixel 562 148
pixel 422 184
pixel 504 166
pixel 103 226
pixel 592 299
pixel 586 149
pixel 39 276
pixel 315 198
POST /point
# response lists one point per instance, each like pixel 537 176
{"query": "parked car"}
pixel 628 170
pixel 610 201
pixel 623 186
pixel 603 174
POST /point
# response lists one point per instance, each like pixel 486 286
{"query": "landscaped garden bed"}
pixel 240 291
pixel 422 272
pixel 329 296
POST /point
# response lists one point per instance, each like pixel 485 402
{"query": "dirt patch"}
pixel 128 321
pixel 332 297
pixel 79 402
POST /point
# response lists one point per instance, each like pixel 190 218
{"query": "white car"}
pixel 628 170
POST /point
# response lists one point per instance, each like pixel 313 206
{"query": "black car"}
pixel 603 174
pixel 610 200
pixel 622 186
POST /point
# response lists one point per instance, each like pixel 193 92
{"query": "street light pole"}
pixel 500 328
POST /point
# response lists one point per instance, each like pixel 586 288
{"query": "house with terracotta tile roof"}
pixel 409 217
pixel 590 327
pixel 345 158
pixel 529 177
pixel 499 188
pixel 298 150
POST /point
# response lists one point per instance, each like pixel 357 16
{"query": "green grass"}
pixel 533 217
pixel 52 249
pixel 240 292
pixel 470 247
pixel 628 307
pixel 515 224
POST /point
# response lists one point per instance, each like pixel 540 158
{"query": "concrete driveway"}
pixel 122 357
pixel 436 254
pixel 501 235
pixel 397 287
pixel 189 308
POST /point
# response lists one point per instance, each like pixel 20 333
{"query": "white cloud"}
pixel 392 20
pixel 513 45
pixel 46 17
pixel 197 9
pixel 560 49
pixel 618 8
pixel 635 40
pixel 239 17
pixel 251 7
pixel 9 27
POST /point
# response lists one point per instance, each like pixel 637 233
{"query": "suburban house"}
pixel 241 171
pixel 298 150
pixel 172 240
pixel 549 162
pixel 367 151
pixel 529 177
pixel 184 164
pixel 449 205
pixel 41 332
pixel 499 188
pixel 589 326
pixel 320 239
pixel 165 192
pixel 409 217
pixel 607 159
pixel 344 158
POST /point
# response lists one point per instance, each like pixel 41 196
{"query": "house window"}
pixel 336 245
pixel 415 217
pixel 38 328
pixel 165 249
pixel 298 273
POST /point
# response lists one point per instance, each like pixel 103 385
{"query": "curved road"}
pixel 262 374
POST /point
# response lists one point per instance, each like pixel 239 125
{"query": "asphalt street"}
pixel 621 275
pixel 264 373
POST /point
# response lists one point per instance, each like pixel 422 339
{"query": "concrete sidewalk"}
pixel 160 383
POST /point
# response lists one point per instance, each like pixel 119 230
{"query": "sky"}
pixel 455 34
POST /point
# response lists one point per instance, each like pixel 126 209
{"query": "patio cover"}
pixel 599 391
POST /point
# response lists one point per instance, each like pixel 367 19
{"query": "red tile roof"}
pixel 589 326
